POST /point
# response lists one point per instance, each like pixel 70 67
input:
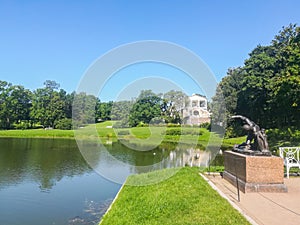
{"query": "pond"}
pixel 47 181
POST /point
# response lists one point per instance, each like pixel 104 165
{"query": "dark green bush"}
pixel 22 125
pixel 64 124
pixel 173 132
pixel 283 137
pixel 142 124
pixel 205 125
pixel 179 131
pixel 123 132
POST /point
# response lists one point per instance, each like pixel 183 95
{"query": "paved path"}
pixel 265 208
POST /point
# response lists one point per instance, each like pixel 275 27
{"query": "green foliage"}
pixel 266 88
pixel 48 105
pixel 22 125
pixel 175 132
pixel 205 125
pixel 84 108
pixel 14 104
pixel 124 132
pixel 173 125
pixel 103 110
pixel 184 131
pixel 147 107
pixel 283 137
pixel 64 124
pixel 142 124
pixel 173 103
pixel 120 111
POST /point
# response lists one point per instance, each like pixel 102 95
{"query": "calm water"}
pixel 47 181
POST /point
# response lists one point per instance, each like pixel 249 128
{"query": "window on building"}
pixel 196 113
pixel 194 103
pixel 202 104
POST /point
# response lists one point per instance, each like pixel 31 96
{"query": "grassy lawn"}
pixel 185 198
pixel 37 133
pixel 137 135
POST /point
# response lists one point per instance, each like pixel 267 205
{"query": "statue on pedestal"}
pixel 256 141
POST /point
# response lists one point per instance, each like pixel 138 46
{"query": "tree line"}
pixel 266 88
pixel 53 107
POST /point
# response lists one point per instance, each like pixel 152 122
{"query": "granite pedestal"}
pixel 254 173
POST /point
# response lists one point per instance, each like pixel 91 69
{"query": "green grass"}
pixel 228 143
pixel 136 135
pixel 37 133
pixel 185 198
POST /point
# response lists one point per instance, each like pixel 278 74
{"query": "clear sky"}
pixel 59 40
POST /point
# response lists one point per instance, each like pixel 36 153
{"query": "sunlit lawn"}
pixel 137 135
pixel 184 198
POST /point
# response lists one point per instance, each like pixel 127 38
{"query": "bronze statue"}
pixel 256 142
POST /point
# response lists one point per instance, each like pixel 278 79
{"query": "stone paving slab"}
pixel 262 207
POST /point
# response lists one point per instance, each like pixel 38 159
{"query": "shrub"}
pixel 22 125
pixel 123 132
pixel 63 124
pixel 173 132
pixel 205 125
pixel 173 125
pixel 142 124
pixel 177 132
pixel 283 137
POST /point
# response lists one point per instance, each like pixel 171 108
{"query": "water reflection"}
pixel 46 162
pixel 47 181
pixel 43 161
pixel 118 161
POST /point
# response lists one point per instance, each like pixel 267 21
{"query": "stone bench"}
pixel 290 156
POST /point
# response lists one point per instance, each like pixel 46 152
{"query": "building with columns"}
pixel 195 111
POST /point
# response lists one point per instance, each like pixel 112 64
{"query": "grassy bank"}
pixel 185 198
pixel 37 133
pixel 138 135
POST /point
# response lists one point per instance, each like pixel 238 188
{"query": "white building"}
pixel 195 111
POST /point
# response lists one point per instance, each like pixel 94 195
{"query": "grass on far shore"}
pixel 185 198
pixel 137 134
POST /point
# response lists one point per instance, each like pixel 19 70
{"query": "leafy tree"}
pixel 14 104
pixel 120 110
pixel 48 105
pixel 286 85
pixel 267 87
pixel 84 108
pixel 173 104
pixel 69 98
pixel 103 110
pixel 147 107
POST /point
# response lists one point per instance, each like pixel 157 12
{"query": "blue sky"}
pixel 59 40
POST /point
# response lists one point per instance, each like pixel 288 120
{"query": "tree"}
pixel 14 104
pixel 48 105
pixel 84 108
pixel 103 110
pixel 173 104
pixel 267 87
pixel 120 110
pixel 147 107
pixel 286 85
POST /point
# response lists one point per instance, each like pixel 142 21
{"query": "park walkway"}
pixel 264 208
